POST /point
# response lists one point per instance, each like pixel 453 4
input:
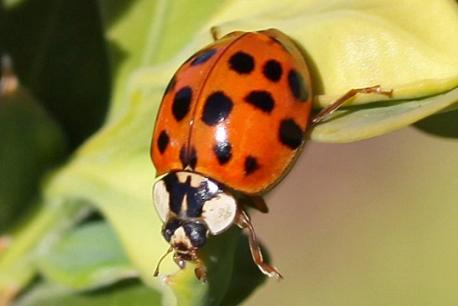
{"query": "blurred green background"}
pixel 361 223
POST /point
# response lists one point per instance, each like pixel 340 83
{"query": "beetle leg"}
pixel 351 93
pixel 243 221
pixel 181 263
pixel 200 271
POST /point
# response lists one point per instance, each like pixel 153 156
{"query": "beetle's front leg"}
pixel 243 221
pixel 200 271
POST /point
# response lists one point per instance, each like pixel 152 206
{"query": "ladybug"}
pixel 231 124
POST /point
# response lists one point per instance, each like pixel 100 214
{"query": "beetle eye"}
pixel 196 232
pixel 169 228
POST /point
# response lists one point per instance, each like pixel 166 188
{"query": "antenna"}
pixel 156 272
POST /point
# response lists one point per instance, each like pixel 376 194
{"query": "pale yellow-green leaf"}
pixel 357 44
pixel 353 125
pixel 49 294
pixel 87 258
pixel 121 21
pixel 409 45
pixel 148 32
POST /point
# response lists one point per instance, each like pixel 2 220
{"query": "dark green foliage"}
pixel 60 55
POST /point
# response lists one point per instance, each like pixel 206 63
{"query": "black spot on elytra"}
pixel 203 56
pixel 163 141
pixel 241 62
pixel 290 133
pixel 297 85
pixel 171 85
pixel 272 70
pixel 261 99
pixel 223 152
pixel 188 157
pixel 251 164
pixel 182 103
pixel 217 108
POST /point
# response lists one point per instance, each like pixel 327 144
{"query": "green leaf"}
pixel 232 274
pixel 86 258
pixel 359 44
pixel 346 47
pixel 39 231
pixel 161 28
pixel 218 256
pixel 246 276
pixel 121 19
pixel 24 127
pixel 363 43
pixel 352 125
pixel 59 54
pixel 132 293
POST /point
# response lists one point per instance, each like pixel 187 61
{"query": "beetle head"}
pixel 192 207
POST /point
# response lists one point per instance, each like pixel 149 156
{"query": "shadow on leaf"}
pixel 443 125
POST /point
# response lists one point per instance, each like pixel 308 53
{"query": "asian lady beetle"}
pixel 231 123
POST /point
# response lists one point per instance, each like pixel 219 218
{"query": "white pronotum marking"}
pixel 161 200
pixel 219 213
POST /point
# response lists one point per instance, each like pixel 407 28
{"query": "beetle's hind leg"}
pixel 323 115
pixel 243 221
